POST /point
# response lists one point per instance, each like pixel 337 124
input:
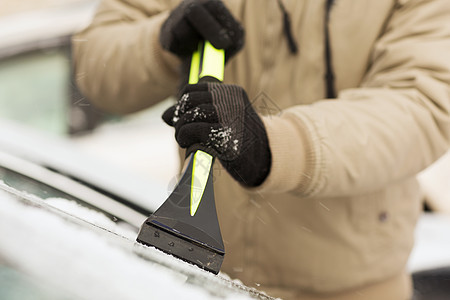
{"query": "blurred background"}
pixel 37 89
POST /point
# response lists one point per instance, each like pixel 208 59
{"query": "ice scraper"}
pixel 186 224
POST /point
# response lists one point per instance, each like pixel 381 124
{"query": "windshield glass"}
pixel 31 186
pixel 33 87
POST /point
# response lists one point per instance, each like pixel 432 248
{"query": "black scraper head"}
pixel 186 224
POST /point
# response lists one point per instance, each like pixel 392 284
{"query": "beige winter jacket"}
pixel 336 214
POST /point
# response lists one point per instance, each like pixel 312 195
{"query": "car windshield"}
pixel 50 254
pixel 31 186
pixel 38 82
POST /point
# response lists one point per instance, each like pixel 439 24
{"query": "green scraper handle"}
pixel 186 224
pixel 207 64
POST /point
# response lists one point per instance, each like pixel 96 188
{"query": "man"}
pixel 320 199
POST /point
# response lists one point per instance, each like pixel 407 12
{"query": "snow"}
pixel 140 143
pixel 76 263
pixel 180 108
pixel 91 216
pixel 31 26
pixel 80 263
pixel 219 139
pixel 69 261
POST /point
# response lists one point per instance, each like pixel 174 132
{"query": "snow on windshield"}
pixel 91 216
pixel 83 264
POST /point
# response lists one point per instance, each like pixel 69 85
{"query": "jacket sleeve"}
pixel 395 124
pixel 119 64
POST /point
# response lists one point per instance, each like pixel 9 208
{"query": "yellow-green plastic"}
pixel 206 61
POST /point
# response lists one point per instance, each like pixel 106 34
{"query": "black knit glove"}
pixel 194 21
pixel 219 119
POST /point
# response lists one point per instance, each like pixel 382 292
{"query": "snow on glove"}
pixel 194 21
pixel 219 119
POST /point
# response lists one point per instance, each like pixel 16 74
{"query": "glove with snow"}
pixel 194 21
pixel 219 119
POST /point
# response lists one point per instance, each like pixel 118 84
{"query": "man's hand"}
pixel 219 119
pixel 198 20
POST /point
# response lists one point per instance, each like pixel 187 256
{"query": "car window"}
pixel 31 186
pixel 44 191
pixel 15 285
pixel 34 89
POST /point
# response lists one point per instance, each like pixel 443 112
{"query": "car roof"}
pixel 35 29
pixel 61 155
